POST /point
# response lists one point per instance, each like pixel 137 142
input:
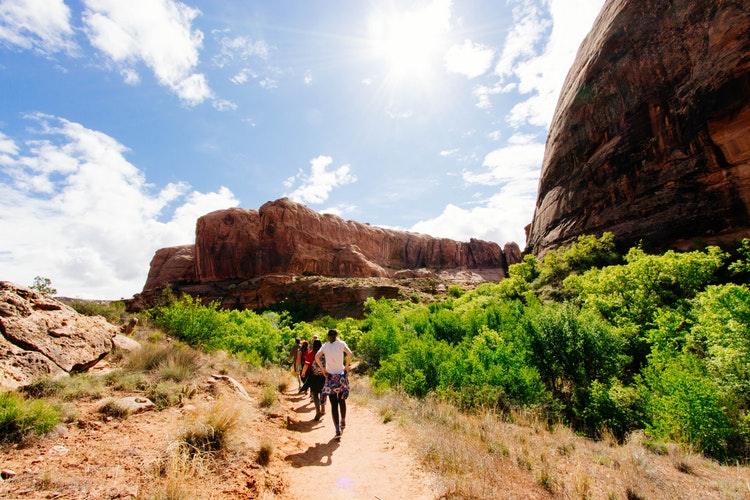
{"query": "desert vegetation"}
pixel 607 343
pixel 591 373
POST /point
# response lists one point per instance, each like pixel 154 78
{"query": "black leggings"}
pixel 337 403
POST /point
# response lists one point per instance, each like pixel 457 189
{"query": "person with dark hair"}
pixel 303 349
pixel 338 358
pixel 315 379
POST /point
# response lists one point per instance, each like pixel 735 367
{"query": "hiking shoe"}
pixel 343 424
pixel 338 433
pixel 317 416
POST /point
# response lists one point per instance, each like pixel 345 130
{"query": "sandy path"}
pixel 371 460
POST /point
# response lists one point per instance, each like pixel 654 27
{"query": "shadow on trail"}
pixel 319 455
pixel 305 405
pixel 303 425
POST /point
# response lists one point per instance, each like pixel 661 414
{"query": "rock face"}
pixel 265 249
pixel 40 336
pixel 651 136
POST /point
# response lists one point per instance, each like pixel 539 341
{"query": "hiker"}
pixel 292 358
pixel 315 379
pixel 337 383
pixel 303 348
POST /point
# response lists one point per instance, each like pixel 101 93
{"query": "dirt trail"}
pixel 371 460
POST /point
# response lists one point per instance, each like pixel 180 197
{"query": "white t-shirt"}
pixel 334 353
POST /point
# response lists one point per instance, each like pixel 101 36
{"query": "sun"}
pixel 409 42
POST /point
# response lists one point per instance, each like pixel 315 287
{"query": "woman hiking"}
pixel 337 383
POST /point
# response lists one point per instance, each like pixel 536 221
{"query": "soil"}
pixel 97 457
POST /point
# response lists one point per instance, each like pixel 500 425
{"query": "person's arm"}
pixel 348 357
pixel 317 360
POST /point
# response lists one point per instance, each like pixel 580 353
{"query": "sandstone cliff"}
pixel 651 136
pixel 254 258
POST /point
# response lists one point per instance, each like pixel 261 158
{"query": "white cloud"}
pixel 448 152
pixel 318 184
pixel 502 217
pixel 529 26
pixel 41 25
pixel 243 76
pixel 156 33
pixel 520 158
pixel 538 71
pixel 223 105
pixel 83 216
pixel 240 48
pixel 469 59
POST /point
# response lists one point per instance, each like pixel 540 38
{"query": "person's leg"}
pixel 316 400
pixel 342 411
pixel 335 411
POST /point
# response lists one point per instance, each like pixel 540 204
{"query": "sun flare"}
pixel 408 42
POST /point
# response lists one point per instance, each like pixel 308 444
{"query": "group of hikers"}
pixel 323 370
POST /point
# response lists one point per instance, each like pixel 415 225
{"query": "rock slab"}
pixel 41 336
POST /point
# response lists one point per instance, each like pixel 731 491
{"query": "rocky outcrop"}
pixel 651 136
pixel 287 237
pixel 40 336
pixel 252 259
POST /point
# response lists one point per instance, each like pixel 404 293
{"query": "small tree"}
pixel 43 285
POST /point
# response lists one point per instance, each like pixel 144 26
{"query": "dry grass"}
pixel 467 453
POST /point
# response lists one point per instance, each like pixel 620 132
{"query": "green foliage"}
pixel 686 406
pixel 382 332
pixel 43 285
pixel 572 348
pixel 489 370
pixel 607 343
pixel 253 337
pixel 415 366
pixel 21 418
pixel 741 265
pixel 111 311
pixel 721 334
pixel 616 408
pixel 630 294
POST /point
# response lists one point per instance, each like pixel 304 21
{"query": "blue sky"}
pixel 123 122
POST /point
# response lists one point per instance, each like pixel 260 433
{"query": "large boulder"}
pixel 41 336
pixel 651 136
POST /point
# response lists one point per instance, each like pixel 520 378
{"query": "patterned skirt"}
pixel 337 384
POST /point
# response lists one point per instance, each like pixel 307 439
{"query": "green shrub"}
pixel 112 311
pixel 254 337
pixel 617 409
pixel 686 406
pixel 21 418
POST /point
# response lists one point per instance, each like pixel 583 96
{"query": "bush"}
pixel 21 418
pixel 686 406
pixel 213 432
pixel 111 311
pixel 253 337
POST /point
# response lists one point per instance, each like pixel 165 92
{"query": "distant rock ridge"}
pixel 650 139
pixel 284 238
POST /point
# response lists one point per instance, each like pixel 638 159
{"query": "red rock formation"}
pixel 284 237
pixel 252 259
pixel 171 265
pixel 651 136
